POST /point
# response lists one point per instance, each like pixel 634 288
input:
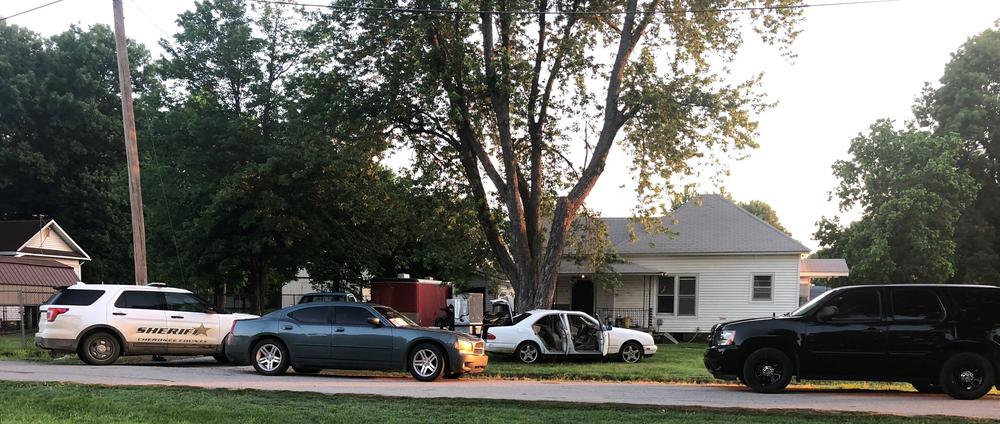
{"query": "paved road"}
pixel 202 373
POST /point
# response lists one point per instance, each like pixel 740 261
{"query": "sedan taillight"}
pixel 490 336
pixel 52 313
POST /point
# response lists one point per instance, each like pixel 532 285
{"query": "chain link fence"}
pixel 19 311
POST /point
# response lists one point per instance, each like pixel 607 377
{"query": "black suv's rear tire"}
pixel 967 376
pixel 928 388
pixel 100 348
pixel 767 370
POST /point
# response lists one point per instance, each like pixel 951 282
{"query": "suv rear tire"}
pixel 767 370
pixel 99 348
pixel 967 376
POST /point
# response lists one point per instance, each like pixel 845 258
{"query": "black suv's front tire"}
pixel 767 370
pixel 967 376
pixel 100 348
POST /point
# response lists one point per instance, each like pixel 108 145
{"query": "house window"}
pixel 677 295
pixel 763 287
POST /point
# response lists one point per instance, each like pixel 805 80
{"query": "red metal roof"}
pixel 35 272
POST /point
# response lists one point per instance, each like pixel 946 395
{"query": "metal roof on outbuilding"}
pixel 36 273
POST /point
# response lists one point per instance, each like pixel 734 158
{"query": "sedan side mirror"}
pixel 375 321
pixel 827 312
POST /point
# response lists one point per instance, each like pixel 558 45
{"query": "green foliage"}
pixel 504 97
pixel 911 190
pixel 765 212
pixel 61 147
pixel 967 103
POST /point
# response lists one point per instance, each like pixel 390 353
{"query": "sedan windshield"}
pixel 809 307
pixel 397 319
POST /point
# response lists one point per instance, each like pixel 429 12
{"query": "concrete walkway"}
pixel 208 374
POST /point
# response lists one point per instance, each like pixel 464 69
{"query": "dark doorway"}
pixel 582 296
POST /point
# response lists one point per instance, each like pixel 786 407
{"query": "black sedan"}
pixel 346 335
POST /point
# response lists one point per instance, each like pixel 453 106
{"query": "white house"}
pixel 40 239
pixel 717 263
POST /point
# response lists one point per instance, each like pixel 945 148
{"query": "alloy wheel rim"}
pixel 425 362
pixel 768 372
pixel 268 357
pixel 529 354
pixel 631 354
pixel 101 349
pixel 969 378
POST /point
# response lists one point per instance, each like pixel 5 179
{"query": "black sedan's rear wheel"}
pixel 767 370
pixel 967 376
pixel 426 362
pixel 270 357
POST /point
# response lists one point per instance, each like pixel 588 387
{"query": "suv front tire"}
pixel 767 370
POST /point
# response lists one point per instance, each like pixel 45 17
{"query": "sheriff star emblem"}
pixel 201 330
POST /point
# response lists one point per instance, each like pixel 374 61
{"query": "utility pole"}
pixel 131 149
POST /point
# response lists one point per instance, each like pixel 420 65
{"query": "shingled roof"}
pixel 715 226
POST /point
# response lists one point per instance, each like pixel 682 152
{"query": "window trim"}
pixel 891 313
pixel 329 315
pixel 881 307
pixel 753 277
pixel 676 294
pixel 333 318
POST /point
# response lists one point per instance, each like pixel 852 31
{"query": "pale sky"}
pixel 855 64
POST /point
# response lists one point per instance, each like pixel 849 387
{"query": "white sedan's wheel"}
pixel 631 352
pixel 528 353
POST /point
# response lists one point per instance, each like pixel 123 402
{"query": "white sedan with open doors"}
pixel 554 333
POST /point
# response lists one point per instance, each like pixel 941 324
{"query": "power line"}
pixel 414 10
pixel 29 10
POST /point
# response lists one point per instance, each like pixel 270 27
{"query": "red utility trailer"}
pixel 420 299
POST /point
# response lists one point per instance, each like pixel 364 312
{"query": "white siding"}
pixel 49 239
pixel 723 290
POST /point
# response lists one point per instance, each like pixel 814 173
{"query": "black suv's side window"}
pixel 915 305
pixel 856 305
pixel 350 315
pixel 134 299
pixel 314 315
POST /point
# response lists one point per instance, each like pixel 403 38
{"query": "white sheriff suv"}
pixel 102 322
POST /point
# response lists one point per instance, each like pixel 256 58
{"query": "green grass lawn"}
pixel 671 363
pixel 71 403
pixel 11 348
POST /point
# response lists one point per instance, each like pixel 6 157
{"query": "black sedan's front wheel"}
pixel 426 362
pixel 767 370
pixel 270 357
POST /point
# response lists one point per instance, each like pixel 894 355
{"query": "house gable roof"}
pixel 24 237
pixel 715 226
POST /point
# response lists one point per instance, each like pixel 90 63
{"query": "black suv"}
pixel 936 337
